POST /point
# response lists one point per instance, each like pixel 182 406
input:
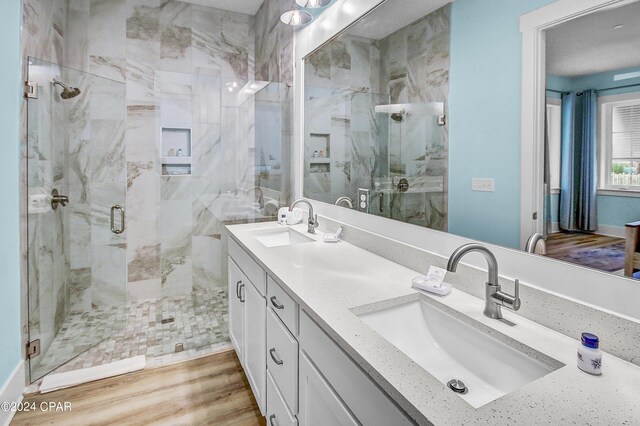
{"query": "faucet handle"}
pixel 315 220
pixel 507 300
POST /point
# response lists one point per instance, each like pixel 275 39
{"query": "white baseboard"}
pixel 612 231
pixel 12 392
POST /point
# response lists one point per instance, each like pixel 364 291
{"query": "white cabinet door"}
pixel 255 340
pixel 319 404
pixel 236 311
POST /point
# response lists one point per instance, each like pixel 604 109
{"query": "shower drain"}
pixel 167 320
pixel 457 386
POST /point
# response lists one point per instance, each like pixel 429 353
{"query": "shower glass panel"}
pixel 415 180
pixel 346 144
pixel 76 183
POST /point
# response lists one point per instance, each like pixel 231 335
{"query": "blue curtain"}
pixel 578 168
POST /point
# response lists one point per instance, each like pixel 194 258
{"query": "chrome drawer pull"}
pixel 241 287
pixel 275 303
pixel 274 356
pixel 238 289
pixel 272 418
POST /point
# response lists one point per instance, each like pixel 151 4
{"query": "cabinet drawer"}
pixel 282 360
pixel 249 267
pixel 370 405
pixel 283 305
pixel 277 412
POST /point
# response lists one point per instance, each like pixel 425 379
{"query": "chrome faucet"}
pixel 494 297
pixel 344 200
pixel 533 241
pixel 312 224
pixel 259 192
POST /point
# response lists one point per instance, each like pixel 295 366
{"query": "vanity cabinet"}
pixel 247 321
pixel 298 374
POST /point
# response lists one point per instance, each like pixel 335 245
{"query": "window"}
pixel 621 144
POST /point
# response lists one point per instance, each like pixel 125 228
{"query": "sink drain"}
pixel 457 386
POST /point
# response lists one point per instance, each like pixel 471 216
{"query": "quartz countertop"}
pixel 331 280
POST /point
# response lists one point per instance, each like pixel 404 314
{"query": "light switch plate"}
pixel 482 184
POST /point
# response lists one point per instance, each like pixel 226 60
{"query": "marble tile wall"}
pixel 274 63
pixel 348 77
pixel 343 86
pixel 415 70
pixel 173 57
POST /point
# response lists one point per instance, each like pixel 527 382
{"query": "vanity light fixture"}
pixel 617 27
pixel 312 4
pixel 296 17
pixel 231 86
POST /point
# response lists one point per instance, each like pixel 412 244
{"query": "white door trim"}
pixel 532 27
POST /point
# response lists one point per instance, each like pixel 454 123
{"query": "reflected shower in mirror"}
pixel 592 167
pixel 375 125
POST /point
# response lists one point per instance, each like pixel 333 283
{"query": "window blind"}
pixel 625 137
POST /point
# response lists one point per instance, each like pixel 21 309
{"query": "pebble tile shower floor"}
pixel 200 324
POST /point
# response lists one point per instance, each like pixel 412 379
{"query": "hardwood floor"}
pixel 592 250
pixel 207 391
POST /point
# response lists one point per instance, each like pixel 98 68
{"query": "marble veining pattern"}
pixel 346 79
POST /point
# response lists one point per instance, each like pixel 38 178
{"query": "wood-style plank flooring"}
pixel 207 391
pixel 592 250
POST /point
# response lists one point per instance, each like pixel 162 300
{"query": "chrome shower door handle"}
pixel 115 230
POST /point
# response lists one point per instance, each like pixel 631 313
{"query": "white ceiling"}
pixel 590 44
pixel 250 7
pixel 392 15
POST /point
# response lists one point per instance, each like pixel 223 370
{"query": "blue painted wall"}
pixel 484 111
pixel 612 210
pixel 616 211
pixel 10 98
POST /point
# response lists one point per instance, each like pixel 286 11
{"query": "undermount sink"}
pixel 281 237
pixel 452 349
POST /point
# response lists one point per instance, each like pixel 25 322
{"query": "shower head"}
pixel 398 117
pixel 67 92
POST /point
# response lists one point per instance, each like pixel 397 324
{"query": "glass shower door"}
pixel 76 186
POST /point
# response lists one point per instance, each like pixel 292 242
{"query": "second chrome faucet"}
pixel 312 224
pixel 494 296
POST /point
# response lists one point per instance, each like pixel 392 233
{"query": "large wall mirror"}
pixel 377 102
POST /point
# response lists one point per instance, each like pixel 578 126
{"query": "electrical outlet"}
pixel 482 184
pixel 364 200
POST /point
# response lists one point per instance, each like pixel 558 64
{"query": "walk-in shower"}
pixel 100 291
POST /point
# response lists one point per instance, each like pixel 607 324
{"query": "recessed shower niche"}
pixel 176 151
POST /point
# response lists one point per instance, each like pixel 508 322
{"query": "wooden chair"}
pixel 632 248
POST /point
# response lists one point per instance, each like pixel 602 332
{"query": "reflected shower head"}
pixel 398 117
pixel 67 92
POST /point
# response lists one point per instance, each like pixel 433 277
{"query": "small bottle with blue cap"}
pixel 589 356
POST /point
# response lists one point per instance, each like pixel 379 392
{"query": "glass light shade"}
pixel 296 17
pixel 312 4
